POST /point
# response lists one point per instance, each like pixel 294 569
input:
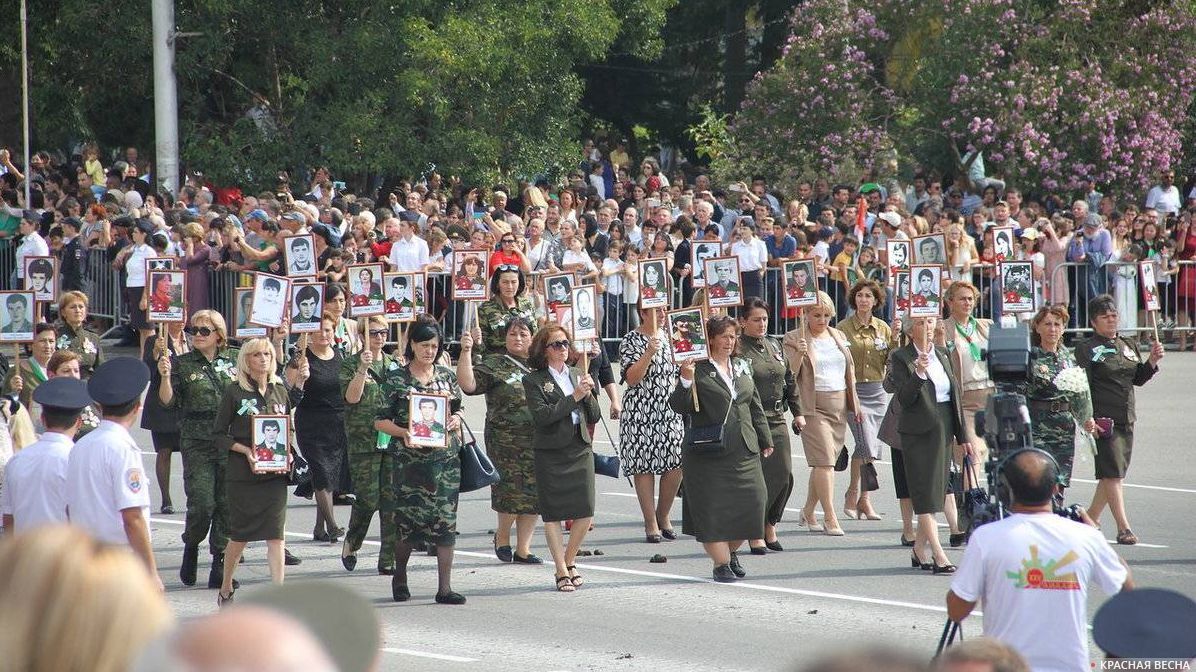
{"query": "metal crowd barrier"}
pixel 8 261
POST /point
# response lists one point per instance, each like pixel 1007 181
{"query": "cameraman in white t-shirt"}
pixel 1031 572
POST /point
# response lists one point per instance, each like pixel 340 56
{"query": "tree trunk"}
pixel 735 60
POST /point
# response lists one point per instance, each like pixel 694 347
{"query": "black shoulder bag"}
pixel 477 471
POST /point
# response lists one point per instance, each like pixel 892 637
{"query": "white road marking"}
pixel 1143 487
pixel 425 654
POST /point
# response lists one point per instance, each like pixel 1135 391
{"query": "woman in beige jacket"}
pixel 819 355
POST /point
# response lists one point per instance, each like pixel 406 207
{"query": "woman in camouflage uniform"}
pixel 1055 412
pixel 194 382
pixel 72 313
pixel 508 435
pixel 427 481
pixel 370 461
pixel 507 301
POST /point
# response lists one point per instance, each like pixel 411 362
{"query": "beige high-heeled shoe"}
pixel 809 522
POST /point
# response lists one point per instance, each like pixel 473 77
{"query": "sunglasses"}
pixel 379 332
pixel 200 331
pixel 559 345
pixel 508 240
pixel 503 268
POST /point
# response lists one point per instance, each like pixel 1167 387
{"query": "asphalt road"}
pixel 821 594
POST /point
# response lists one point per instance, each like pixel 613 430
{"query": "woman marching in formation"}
pixel 426 480
pixel 778 392
pixel 562 405
pixel 371 462
pixel 257 502
pixel 727 434
pixel 509 432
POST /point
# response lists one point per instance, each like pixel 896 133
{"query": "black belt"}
pixel 1050 405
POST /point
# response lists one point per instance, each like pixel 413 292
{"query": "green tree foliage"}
pixel 484 89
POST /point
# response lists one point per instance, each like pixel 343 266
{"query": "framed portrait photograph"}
pixel 270 435
pixel 558 291
pixel 1150 286
pixel 167 296
pixel 930 249
pixel 687 335
pixel 41 278
pixel 801 284
pixel 365 290
pixel 654 283
pixel 722 282
pixel 299 255
pixel 16 317
pixel 404 296
pixel 901 292
pixel 585 313
pixel 427 423
pixel 898 258
pixel 470 279
pixel 307 306
pixel 159 264
pixel 270 294
pixel 700 251
pixel 1017 286
pixel 242 306
pixel 926 299
pixel 1002 243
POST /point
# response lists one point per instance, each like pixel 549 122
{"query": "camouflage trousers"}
pixel 427 483
pixel 207 503
pixel 371 474
pixel 1055 432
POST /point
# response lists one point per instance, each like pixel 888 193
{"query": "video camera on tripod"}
pixel 1005 424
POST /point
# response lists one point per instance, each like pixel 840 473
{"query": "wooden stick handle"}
pixel 693 391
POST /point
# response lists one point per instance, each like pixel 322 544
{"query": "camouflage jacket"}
pixel 359 417
pixel 198 385
pixel 1040 384
pixel 493 318
pixel 82 342
pixel 500 378
pixel 399 385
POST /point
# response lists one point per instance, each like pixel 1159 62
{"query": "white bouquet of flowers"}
pixel 1072 381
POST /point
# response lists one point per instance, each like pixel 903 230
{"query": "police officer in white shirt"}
pixel 1031 571
pixel 107 487
pixel 35 479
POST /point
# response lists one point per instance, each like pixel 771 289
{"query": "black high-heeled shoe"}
pixel 917 563
pixel 943 569
pixel 774 546
pixel 759 550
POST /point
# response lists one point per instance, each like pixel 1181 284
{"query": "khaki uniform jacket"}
pixel 745 424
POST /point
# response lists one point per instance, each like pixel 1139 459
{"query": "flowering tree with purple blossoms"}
pixel 1050 91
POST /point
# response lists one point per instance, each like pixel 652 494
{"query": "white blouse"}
pixel 938 376
pixel 830 366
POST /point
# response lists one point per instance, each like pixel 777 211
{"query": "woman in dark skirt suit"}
pixel 931 417
pixel 561 404
pixel 257 503
pixel 725 492
pixel 320 426
pixel 778 391
pixel 1115 367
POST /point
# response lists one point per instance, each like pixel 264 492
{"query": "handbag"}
pixel 842 460
pixel 974 498
pixel 300 472
pixel 477 471
pixel 705 439
pixel 606 465
pixel 868 477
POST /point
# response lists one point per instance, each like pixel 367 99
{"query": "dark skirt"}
pixel 427 485
pixel 137 318
pixel 257 503
pixel 778 470
pixel 725 495
pixel 927 459
pixel 515 492
pixel 565 481
pixel 322 440
pixel 1113 452
pixel 900 486
pixel 165 442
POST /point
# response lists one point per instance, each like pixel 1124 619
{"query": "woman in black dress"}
pixel 257 502
pixel 320 427
pixel 162 422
